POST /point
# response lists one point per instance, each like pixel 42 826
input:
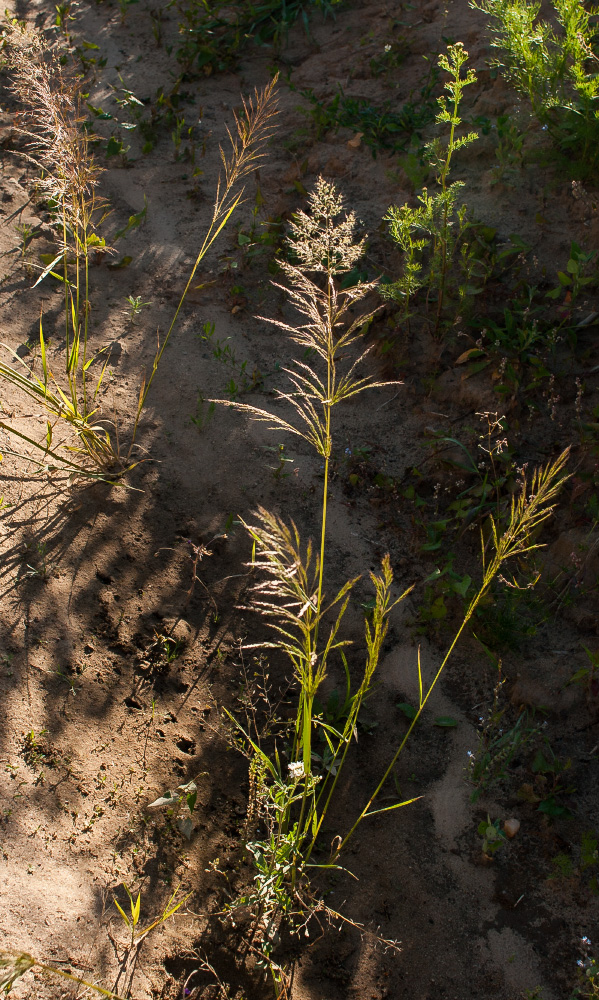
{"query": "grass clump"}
pixel 59 146
pixel 293 789
pixel 555 65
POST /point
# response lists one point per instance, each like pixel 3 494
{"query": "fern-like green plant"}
pixel 556 65
pixel 429 234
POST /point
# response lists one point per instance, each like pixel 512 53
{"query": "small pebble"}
pixel 511 827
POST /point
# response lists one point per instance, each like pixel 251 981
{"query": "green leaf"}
pixel 462 586
pixel 408 710
pixel 185 826
pixel 134 221
pixel 114 147
pixel 398 805
pixel 122 913
pixel 446 722
pixel 168 799
pixel 540 765
pixel 438 609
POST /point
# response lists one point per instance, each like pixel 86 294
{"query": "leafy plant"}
pixel 135 306
pixel 436 226
pixel 549 770
pixel 587 676
pixel 173 801
pixel 497 745
pixel 492 835
pixel 556 69
pixel 132 920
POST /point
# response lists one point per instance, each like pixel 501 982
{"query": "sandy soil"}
pixel 95 723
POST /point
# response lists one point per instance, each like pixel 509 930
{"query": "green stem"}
pixel 77 979
pixel 218 223
pixel 397 754
pixel 444 228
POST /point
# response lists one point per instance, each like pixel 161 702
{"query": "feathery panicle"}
pixel 288 594
pixel 320 243
pixel 324 245
pixel 254 127
pixel 52 123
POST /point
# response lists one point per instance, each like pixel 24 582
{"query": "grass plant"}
pixel 14 965
pixel 555 65
pixel 60 147
pixel 294 795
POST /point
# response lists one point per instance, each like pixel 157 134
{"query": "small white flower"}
pixel 296 770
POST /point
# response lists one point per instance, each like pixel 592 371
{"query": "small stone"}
pixel 511 827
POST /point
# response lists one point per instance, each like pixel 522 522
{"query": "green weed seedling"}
pixel 168 647
pixel 185 798
pixel 509 149
pixel 133 919
pixel 42 569
pixel 551 793
pixel 89 63
pixel 26 233
pixel 204 413
pixel 588 677
pixel 582 864
pixel 124 6
pixel 497 746
pixel 576 276
pixel 391 58
pixel 135 306
pixel 280 470
pixel 492 835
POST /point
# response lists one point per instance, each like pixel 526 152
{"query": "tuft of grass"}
pixel 59 146
pixel 292 789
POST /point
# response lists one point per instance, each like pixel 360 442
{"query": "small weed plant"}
pixel 429 235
